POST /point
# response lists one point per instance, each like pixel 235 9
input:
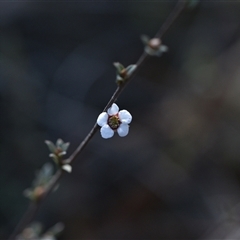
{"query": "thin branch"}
pixel 26 219
pixel 171 18
pixel 34 206
pixel 113 99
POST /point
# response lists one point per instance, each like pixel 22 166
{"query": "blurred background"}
pixel 177 174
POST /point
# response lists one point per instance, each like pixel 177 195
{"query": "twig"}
pixel 34 206
pixel 171 18
pixel 26 219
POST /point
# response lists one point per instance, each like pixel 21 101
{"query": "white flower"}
pixel 114 120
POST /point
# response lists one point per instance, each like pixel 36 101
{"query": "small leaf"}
pixel 37 227
pixel 118 66
pixel 27 193
pixel 163 48
pixel 56 229
pixel 59 143
pixel 145 39
pixel 51 146
pixel 47 169
pixel 65 146
pixel 43 175
pixel 119 80
pixel 130 69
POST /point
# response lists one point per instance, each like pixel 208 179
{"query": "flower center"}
pixel 154 43
pixel 114 122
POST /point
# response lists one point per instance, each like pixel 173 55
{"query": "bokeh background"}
pixel 177 174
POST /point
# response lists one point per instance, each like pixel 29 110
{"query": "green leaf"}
pixel 65 146
pixel 145 39
pixel 28 193
pixel 57 228
pixel 130 69
pixel 118 66
pixel 59 143
pixel 47 170
pixel 37 227
pixel 51 146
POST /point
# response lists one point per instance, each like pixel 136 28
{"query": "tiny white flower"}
pixel 114 121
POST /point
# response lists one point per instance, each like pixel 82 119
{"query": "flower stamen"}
pixel 114 122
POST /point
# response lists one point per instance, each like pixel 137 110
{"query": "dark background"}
pixel 177 174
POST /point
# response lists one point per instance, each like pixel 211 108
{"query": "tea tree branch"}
pixel 35 205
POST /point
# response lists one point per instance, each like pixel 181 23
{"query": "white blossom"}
pixel 114 121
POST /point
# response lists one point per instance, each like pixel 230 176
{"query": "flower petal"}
pixel 125 116
pixel 123 130
pixel 106 131
pixel 102 119
pixel 113 109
